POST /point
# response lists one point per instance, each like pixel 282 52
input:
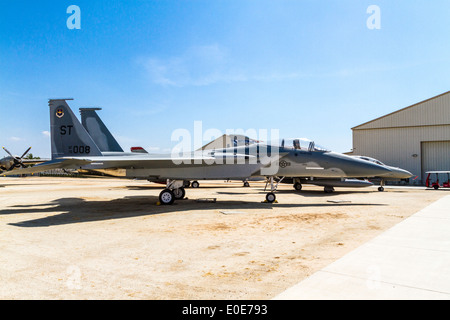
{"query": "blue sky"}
pixel 310 68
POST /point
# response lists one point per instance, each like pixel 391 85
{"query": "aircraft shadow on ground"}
pixel 78 210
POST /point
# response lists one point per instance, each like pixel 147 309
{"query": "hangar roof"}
pixel 430 112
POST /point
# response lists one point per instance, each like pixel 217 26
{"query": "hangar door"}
pixel 435 157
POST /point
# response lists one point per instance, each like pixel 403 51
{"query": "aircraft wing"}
pixel 34 161
pixel 108 162
pixel 160 163
pixel 166 161
pixel 54 164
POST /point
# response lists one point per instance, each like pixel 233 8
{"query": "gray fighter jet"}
pixel 73 148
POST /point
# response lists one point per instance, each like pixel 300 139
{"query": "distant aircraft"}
pixel 73 148
pixel 12 162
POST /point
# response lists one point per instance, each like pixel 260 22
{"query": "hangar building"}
pixel 415 138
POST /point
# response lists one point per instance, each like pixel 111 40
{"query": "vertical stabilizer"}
pixel 69 137
pixel 98 131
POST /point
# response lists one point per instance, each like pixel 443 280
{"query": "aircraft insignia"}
pixel 60 113
pixel 284 164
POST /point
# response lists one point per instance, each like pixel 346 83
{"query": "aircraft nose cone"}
pixel 402 173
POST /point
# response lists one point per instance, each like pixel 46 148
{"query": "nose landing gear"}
pixel 381 188
pixel 270 197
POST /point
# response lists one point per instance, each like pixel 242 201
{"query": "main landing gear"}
pixel 166 197
pixel 174 191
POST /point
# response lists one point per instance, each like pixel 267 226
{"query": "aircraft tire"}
pixel 381 189
pixel 436 187
pixel 328 189
pixel 270 197
pixel 179 193
pixel 246 184
pixel 298 186
pixel 195 184
pixel 166 197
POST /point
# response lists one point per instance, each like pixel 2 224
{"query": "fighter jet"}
pixel 73 148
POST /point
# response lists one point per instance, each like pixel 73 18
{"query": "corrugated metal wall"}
pixel 400 147
pixel 435 156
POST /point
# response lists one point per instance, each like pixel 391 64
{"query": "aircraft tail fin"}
pixel 69 138
pixel 98 131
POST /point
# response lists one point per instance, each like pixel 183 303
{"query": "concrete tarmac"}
pixel 409 261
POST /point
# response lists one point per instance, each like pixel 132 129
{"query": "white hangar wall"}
pixel 416 138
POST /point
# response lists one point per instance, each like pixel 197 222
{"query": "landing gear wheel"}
pixel 328 189
pixel 166 197
pixel 436 187
pixel 270 197
pixel 246 184
pixel 179 193
pixel 298 186
pixel 381 189
pixel 195 184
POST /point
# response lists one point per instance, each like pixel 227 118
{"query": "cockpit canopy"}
pixel 372 160
pixel 299 144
